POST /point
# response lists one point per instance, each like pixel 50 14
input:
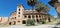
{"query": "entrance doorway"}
pixel 37 20
pixel 49 20
pixel 24 22
pixel 14 23
pixel 9 23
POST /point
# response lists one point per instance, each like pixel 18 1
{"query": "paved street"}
pixel 39 26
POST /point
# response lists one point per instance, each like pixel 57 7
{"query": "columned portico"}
pixel 35 16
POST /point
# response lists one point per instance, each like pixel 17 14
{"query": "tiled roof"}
pixel 31 12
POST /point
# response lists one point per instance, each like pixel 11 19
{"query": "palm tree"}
pixel 52 2
pixel 32 3
pixel 41 7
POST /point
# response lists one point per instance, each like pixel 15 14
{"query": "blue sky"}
pixel 8 6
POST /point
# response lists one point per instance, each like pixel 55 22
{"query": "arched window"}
pixel 15 17
pixel 29 16
pixel 36 16
pixel 18 15
pixel 10 23
pixel 25 16
pixel 24 22
pixel 19 9
pixel 39 16
pixel 19 12
pixel 18 21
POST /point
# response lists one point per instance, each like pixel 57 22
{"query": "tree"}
pixel 40 7
pixel 32 3
pixel 52 2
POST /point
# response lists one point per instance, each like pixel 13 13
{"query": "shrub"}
pixel 58 23
pixel 30 22
pixel 43 21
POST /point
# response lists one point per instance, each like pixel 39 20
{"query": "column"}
pixel 38 16
pixel 41 16
pixel 46 18
pixel 31 16
pixel 35 17
pixel 27 16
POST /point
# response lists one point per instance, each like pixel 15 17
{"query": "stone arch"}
pixel 10 23
pixel 29 16
pixel 37 20
pixel 23 22
pixel 14 23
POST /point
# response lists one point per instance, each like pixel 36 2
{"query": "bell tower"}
pixel 19 15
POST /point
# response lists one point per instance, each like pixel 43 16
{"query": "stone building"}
pixel 12 18
pixel 4 20
pixel 21 15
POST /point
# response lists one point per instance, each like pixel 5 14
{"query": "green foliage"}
pixel 52 2
pixel 40 7
pixel 58 23
pixel 31 2
pixel 42 21
pixel 30 22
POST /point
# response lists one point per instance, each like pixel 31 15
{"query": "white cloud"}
pixel 55 16
pixel 58 0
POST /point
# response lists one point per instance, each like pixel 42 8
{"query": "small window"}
pixel 12 18
pixel 29 16
pixel 18 15
pixel 19 12
pixel 39 16
pixel 36 16
pixel 18 21
pixel 15 17
pixel 25 16
pixel 19 9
